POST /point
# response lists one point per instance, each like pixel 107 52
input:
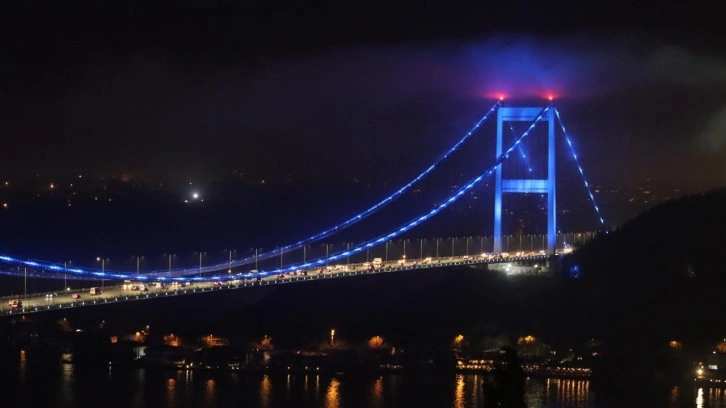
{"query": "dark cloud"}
pixel 643 102
pixel 712 139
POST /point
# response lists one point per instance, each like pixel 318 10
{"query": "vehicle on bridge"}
pixel 95 291
pixel 377 262
pixel 16 303
pixel 76 296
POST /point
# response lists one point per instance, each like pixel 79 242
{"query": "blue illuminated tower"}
pixel 519 186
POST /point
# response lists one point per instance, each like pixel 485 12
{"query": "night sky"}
pixel 197 91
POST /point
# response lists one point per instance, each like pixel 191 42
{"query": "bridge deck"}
pixel 38 302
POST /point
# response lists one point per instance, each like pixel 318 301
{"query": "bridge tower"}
pixel 519 186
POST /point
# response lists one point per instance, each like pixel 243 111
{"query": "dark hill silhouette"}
pixel 659 277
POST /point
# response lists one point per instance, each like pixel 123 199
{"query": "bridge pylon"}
pixel 521 186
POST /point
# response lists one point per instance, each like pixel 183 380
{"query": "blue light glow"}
pixel 574 271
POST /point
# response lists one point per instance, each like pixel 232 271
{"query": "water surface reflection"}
pixel 66 385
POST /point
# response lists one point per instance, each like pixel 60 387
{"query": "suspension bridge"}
pixel 200 278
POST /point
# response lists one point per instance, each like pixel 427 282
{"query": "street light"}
pixel 230 262
pixel 65 282
pixel 332 337
pixel 170 255
pixel 103 270
pixel 200 262
pixel 458 341
pixel 138 258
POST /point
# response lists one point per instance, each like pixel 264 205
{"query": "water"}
pixel 64 385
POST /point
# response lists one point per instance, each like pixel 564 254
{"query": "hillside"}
pixel 659 277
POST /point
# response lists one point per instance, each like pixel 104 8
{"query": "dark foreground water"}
pixel 64 385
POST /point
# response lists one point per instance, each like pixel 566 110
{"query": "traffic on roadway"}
pixel 131 291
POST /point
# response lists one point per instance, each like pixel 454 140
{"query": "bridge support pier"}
pixel 524 186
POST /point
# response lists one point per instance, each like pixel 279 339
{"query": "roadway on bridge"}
pixel 39 302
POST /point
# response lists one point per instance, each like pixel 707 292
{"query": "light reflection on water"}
pixel 210 393
pixel 65 392
pixel 67 385
pixel 377 393
pixel 265 390
pixel 459 401
pixel 23 365
pixel 171 392
pixel 139 388
pixel 710 398
pixel 332 396
pixel 558 392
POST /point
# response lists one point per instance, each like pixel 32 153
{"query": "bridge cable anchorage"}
pixel 375 241
pixel 180 272
pixel 579 168
pixel 416 220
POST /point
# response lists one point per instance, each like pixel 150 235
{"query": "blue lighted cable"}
pixel 368 244
pixel 275 252
pixel 376 241
pixel 299 244
pixel 525 159
pixel 343 225
pixel 582 173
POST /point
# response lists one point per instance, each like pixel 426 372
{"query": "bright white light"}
pixel 195 195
